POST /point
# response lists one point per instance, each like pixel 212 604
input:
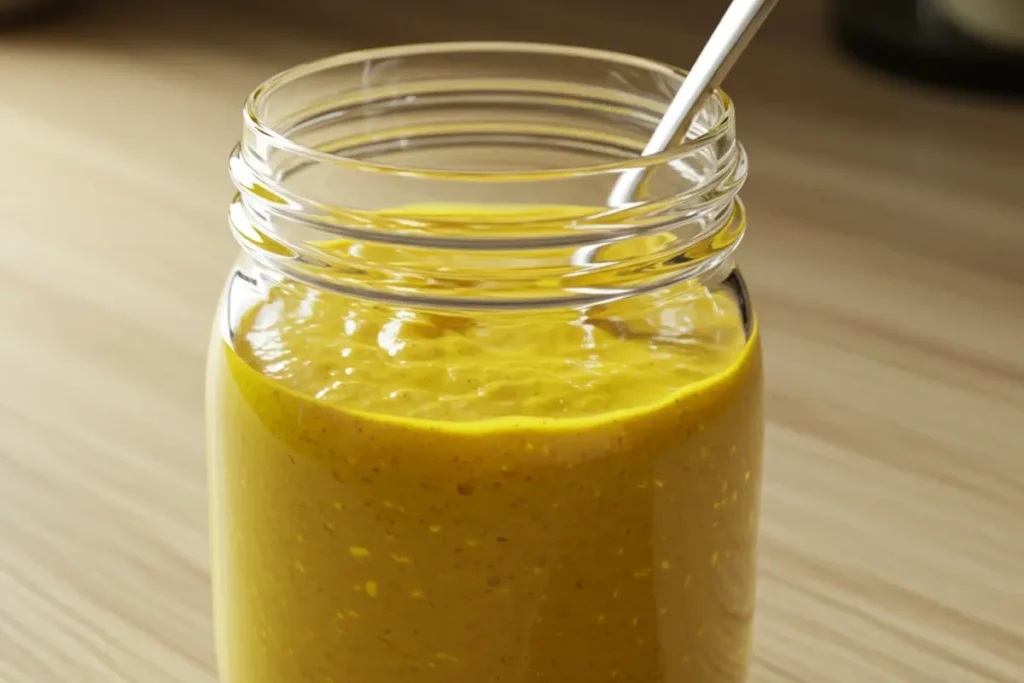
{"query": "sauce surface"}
pixel 410 497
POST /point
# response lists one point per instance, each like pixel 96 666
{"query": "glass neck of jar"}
pixel 474 175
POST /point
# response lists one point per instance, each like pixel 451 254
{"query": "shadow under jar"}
pixel 468 422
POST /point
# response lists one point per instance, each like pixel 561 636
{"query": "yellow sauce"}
pixel 405 496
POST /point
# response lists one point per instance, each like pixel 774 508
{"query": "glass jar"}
pixel 470 421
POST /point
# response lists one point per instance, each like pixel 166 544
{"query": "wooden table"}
pixel 886 255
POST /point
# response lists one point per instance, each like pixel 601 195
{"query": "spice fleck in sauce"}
pixel 404 496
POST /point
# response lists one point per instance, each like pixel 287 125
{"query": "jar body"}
pixel 509 434
pixel 383 548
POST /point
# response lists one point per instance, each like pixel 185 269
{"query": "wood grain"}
pixel 886 254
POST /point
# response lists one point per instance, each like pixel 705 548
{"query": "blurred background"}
pixel 885 254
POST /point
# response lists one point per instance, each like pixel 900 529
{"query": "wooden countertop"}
pixel 886 254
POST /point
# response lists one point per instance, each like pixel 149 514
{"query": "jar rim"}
pixel 282 141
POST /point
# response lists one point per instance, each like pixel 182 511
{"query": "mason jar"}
pixel 471 419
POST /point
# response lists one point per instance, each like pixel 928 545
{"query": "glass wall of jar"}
pixel 469 421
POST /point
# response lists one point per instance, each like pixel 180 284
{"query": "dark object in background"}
pixel 971 44
pixel 15 13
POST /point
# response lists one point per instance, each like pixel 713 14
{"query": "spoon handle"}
pixel 740 22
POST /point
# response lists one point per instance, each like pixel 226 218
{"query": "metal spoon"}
pixel 741 21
